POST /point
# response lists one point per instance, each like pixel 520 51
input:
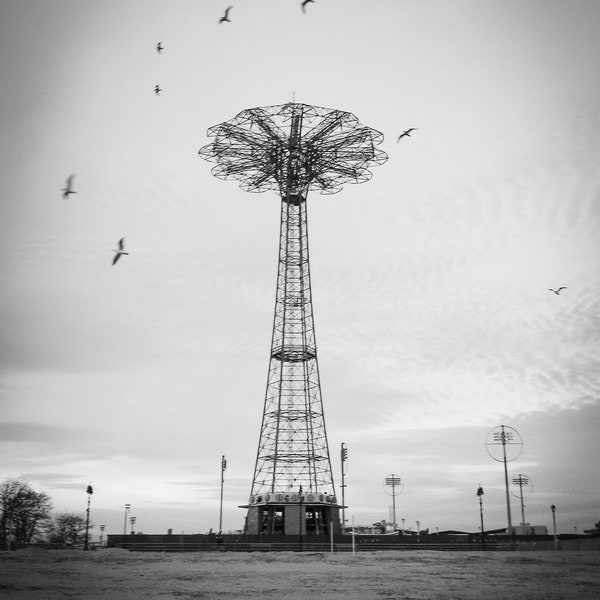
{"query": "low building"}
pixel 528 529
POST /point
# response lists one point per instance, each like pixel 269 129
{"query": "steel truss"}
pixel 293 149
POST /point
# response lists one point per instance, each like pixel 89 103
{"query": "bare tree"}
pixel 25 512
pixel 67 528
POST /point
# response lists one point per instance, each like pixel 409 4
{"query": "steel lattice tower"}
pixel 292 149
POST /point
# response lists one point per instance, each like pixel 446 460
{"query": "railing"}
pixel 308 546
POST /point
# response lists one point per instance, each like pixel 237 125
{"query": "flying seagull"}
pixel 120 251
pixel 68 187
pixel 159 47
pixel 157 90
pixel 225 17
pixel 305 3
pixel 407 132
pixel 557 292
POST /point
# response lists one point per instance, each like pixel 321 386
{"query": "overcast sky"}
pixel 433 315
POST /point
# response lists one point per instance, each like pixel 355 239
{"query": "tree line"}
pixel 27 517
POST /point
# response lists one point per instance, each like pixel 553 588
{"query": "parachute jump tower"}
pixel 293 149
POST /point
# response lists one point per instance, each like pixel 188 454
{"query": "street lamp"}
pixel 553 509
pixel 127 507
pixel 301 519
pixel 89 491
pixel 393 481
pixel 480 496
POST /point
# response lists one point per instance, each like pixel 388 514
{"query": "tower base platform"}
pixel 283 514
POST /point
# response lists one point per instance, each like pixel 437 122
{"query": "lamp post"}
pixel 132 521
pixel 127 507
pixel 301 519
pixel 89 491
pixel 480 496
pixel 102 527
pixel 553 509
pixel 393 481
pixel 344 458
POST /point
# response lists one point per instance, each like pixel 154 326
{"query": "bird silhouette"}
pixel 557 292
pixel 407 133
pixel 120 252
pixel 305 3
pixel 159 47
pixel 157 90
pixel 225 16
pixel 68 189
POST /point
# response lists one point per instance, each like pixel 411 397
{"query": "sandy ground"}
pixel 120 574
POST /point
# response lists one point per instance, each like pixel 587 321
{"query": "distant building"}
pixel 528 529
pixel 595 531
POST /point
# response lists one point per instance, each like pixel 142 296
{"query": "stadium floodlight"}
pixel 394 482
pixel 504 444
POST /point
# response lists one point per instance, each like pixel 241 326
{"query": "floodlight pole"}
pixel 393 481
pixel 223 467
pixel 521 480
pixel 503 437
pixel 344 457
pixel 127 507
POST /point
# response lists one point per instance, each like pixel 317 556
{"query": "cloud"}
pixel 37 432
